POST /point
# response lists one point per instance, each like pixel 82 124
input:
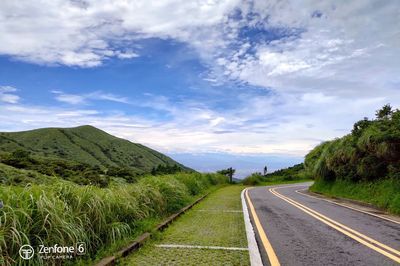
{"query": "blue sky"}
pixel 211 83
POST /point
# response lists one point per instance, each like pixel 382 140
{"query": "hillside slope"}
pixel 10 176
pixel 85 144
pixel 363 165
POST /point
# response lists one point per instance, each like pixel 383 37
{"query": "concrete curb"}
pixel 254 252
pixel 139 241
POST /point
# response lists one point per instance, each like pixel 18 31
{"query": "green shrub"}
pixel 166 169
pixel 295 172
pixel 371 152
pixel 253 180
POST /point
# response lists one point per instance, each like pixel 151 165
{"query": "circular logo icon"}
pixel 26 252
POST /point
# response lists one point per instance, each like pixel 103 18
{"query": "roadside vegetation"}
pixel 65 213
pixel 363 165
pixel 292 174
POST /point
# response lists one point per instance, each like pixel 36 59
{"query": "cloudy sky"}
pixel 212 83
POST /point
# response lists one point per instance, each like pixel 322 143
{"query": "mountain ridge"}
pixel 86 144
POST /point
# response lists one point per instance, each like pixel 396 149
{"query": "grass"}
pixel 162 256
pixel 194 257
pixel 64 213
pixel 206 225
pixel 384 193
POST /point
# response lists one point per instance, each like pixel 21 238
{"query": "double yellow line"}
pixel 349 207
pixel 361 238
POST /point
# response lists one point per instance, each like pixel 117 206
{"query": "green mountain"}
pixel 85 145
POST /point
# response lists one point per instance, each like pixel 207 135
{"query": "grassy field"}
pixel 65 213
pixel 382 193
pixel 216 221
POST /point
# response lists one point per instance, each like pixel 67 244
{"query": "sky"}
pixel 212 83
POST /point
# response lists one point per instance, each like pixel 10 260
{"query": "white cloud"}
pixel 9 98
pixel 85 98
pixel 97 95
pixel 70 98
pixel 126 55
pixel 85 33
pixel 352 49
pixel 340 51
pixel 7 95
pixel 4 89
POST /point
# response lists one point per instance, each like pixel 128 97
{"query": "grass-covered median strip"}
pixel 215 222
pixel 382 193
pixel 65 213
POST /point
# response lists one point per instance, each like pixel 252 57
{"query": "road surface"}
pixel 296 229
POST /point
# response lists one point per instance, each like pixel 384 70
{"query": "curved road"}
pixel 296 229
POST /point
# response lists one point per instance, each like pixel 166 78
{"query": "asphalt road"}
pixel 302 230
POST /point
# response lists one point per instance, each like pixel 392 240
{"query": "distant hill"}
pixel 86 145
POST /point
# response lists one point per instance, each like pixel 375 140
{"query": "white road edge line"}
pixel 200 247
pixel 254 252
pixel 349 207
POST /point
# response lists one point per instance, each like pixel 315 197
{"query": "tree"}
pixel 228 172
pixel 265 170
pixel 19 158
pixel 20 154
pixel 166 169
pixel 385 112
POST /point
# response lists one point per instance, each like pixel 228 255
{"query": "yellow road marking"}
pixel 273 259
pixel 363 239
pixel 349 207
pixel 345 227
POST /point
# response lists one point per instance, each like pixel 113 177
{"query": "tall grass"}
pixel 65 213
